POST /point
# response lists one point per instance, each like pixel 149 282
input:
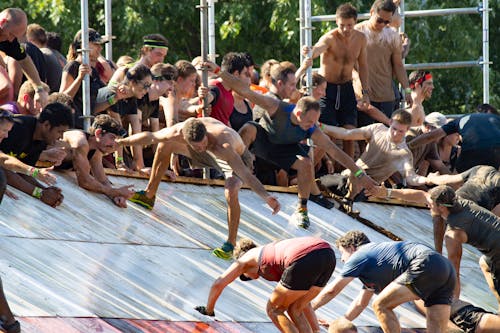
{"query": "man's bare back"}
pixel 341 55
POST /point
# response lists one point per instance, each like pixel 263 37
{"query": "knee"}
pixel 273 310
pixel 379 306
pixel 232 186
pixel 305 165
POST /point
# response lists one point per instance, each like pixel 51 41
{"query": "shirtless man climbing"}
pixel 340 49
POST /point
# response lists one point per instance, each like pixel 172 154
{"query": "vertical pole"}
pixel 308 41
pixel 301 29
pixel 85 60
pixel 204 55
pixel 402 29
pixel 108 29
pixel 212 55
pixel 486 53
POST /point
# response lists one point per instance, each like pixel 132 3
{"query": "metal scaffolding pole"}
pixel 204 56
pixel 108 29
pixel 85 60
pixel 212 55
pixel 486 52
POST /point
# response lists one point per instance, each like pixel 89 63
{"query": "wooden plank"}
pixel 195 181
pixel 397 202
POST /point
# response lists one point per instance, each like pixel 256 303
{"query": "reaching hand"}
pixel 367 182
pixel 45 176
pixel 120 202
pixel 203 310
pixel 376 191
pixel 274 204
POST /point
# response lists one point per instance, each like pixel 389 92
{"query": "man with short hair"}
pixel 383 52
pixel 13 24
pixel 469 223
pixel 341 49
pixel 154 49
pixel 27 140
pixel 85 154
pixel 398 272
pixel 207 142
pixel 276 138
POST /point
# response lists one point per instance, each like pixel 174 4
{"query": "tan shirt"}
pixel 379 49
pixel 382 157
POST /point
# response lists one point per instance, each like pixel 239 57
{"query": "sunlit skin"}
pixel 382 15
pixel 95 52
pixel 308 119
pixel 157 55
pixel 427 88
pixel 200 146
pixel 106 142
pixel 185 85
pixel 55 133
pixel 164 87
pixel 319 91
pixel 398 131
pixel 289 86
pixel 139 89
pixel 5 127
pixel 346 26
pixel 10 31
pixel 346 252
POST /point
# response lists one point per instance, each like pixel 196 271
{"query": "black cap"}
pixel 94 37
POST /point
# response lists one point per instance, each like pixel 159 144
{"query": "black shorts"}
pixel 468 317
pixel 431 277
pixel 282 156
pixel 3 184
pixel 494 266
pixel 338 107
pixel 314 269
pixel 386 107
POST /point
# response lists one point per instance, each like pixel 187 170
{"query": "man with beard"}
pixel 85 155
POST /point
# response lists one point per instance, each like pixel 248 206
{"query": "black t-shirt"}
pixel 95 83
pixel 149 109
pixel 13 49
pixel 20 143
pixel 238 119
pixel 38 60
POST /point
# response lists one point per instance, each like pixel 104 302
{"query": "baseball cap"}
pixel 94 37
pixel 443 195
pixel 435 119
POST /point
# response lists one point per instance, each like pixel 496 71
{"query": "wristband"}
pixel 37 193
pixel 407 90
pixel 321 126
pixel 119 159
pixel 359 173
pixel 364 91
pixel 217 70
pixel 111 100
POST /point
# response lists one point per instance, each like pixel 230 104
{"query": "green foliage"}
pixel 269 29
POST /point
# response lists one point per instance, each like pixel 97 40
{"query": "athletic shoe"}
pixel 301 218
pixel 141 199
pixel 321 200
pixel 224 252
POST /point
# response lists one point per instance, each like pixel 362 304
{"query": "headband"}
pixel 424 78
pixel 155 43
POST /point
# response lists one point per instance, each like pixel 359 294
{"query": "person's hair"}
pixel 163 71
pixel 36 33
pixel 402 116
pixel 347 11
pixel 193 130
pixel 354 238
pixel 158 38
pixel 234 61
pixel 385 5
pixel 317 79
pixel 242 246
pixel 124 60
pixel 248 58
pixel 280 73
pixel 342 325
pixel 137 73
pixel 27 89
pixel 265 69
pixel 59 97
pixel 486 108
pixel 289 64
pixel 56 114
pixel 417 77
pixel 443 195
pixel 307 103
pixel 108 124
pixel 54 41
pixel 185 69
pixel 17 15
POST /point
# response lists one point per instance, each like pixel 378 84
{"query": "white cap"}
pixel 435 119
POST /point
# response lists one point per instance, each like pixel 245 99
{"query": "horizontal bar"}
pixel 410 13
pixel 443 65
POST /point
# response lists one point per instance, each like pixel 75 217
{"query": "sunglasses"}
pixel 381 20
pixel 145 86
pixel 166 77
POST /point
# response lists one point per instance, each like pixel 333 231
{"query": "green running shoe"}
pixel 301 218
pixel 224 252
pixel 141 199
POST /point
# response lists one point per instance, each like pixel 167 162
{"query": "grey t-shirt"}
pixel 481 185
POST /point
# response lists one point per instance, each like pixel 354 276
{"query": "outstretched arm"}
pixel 417 196
pixel 344 134
pixel 146 138
pixel 359 304
pixel 425 138
pixel 330 291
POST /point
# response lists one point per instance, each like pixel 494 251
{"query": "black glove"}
pixel 203 310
